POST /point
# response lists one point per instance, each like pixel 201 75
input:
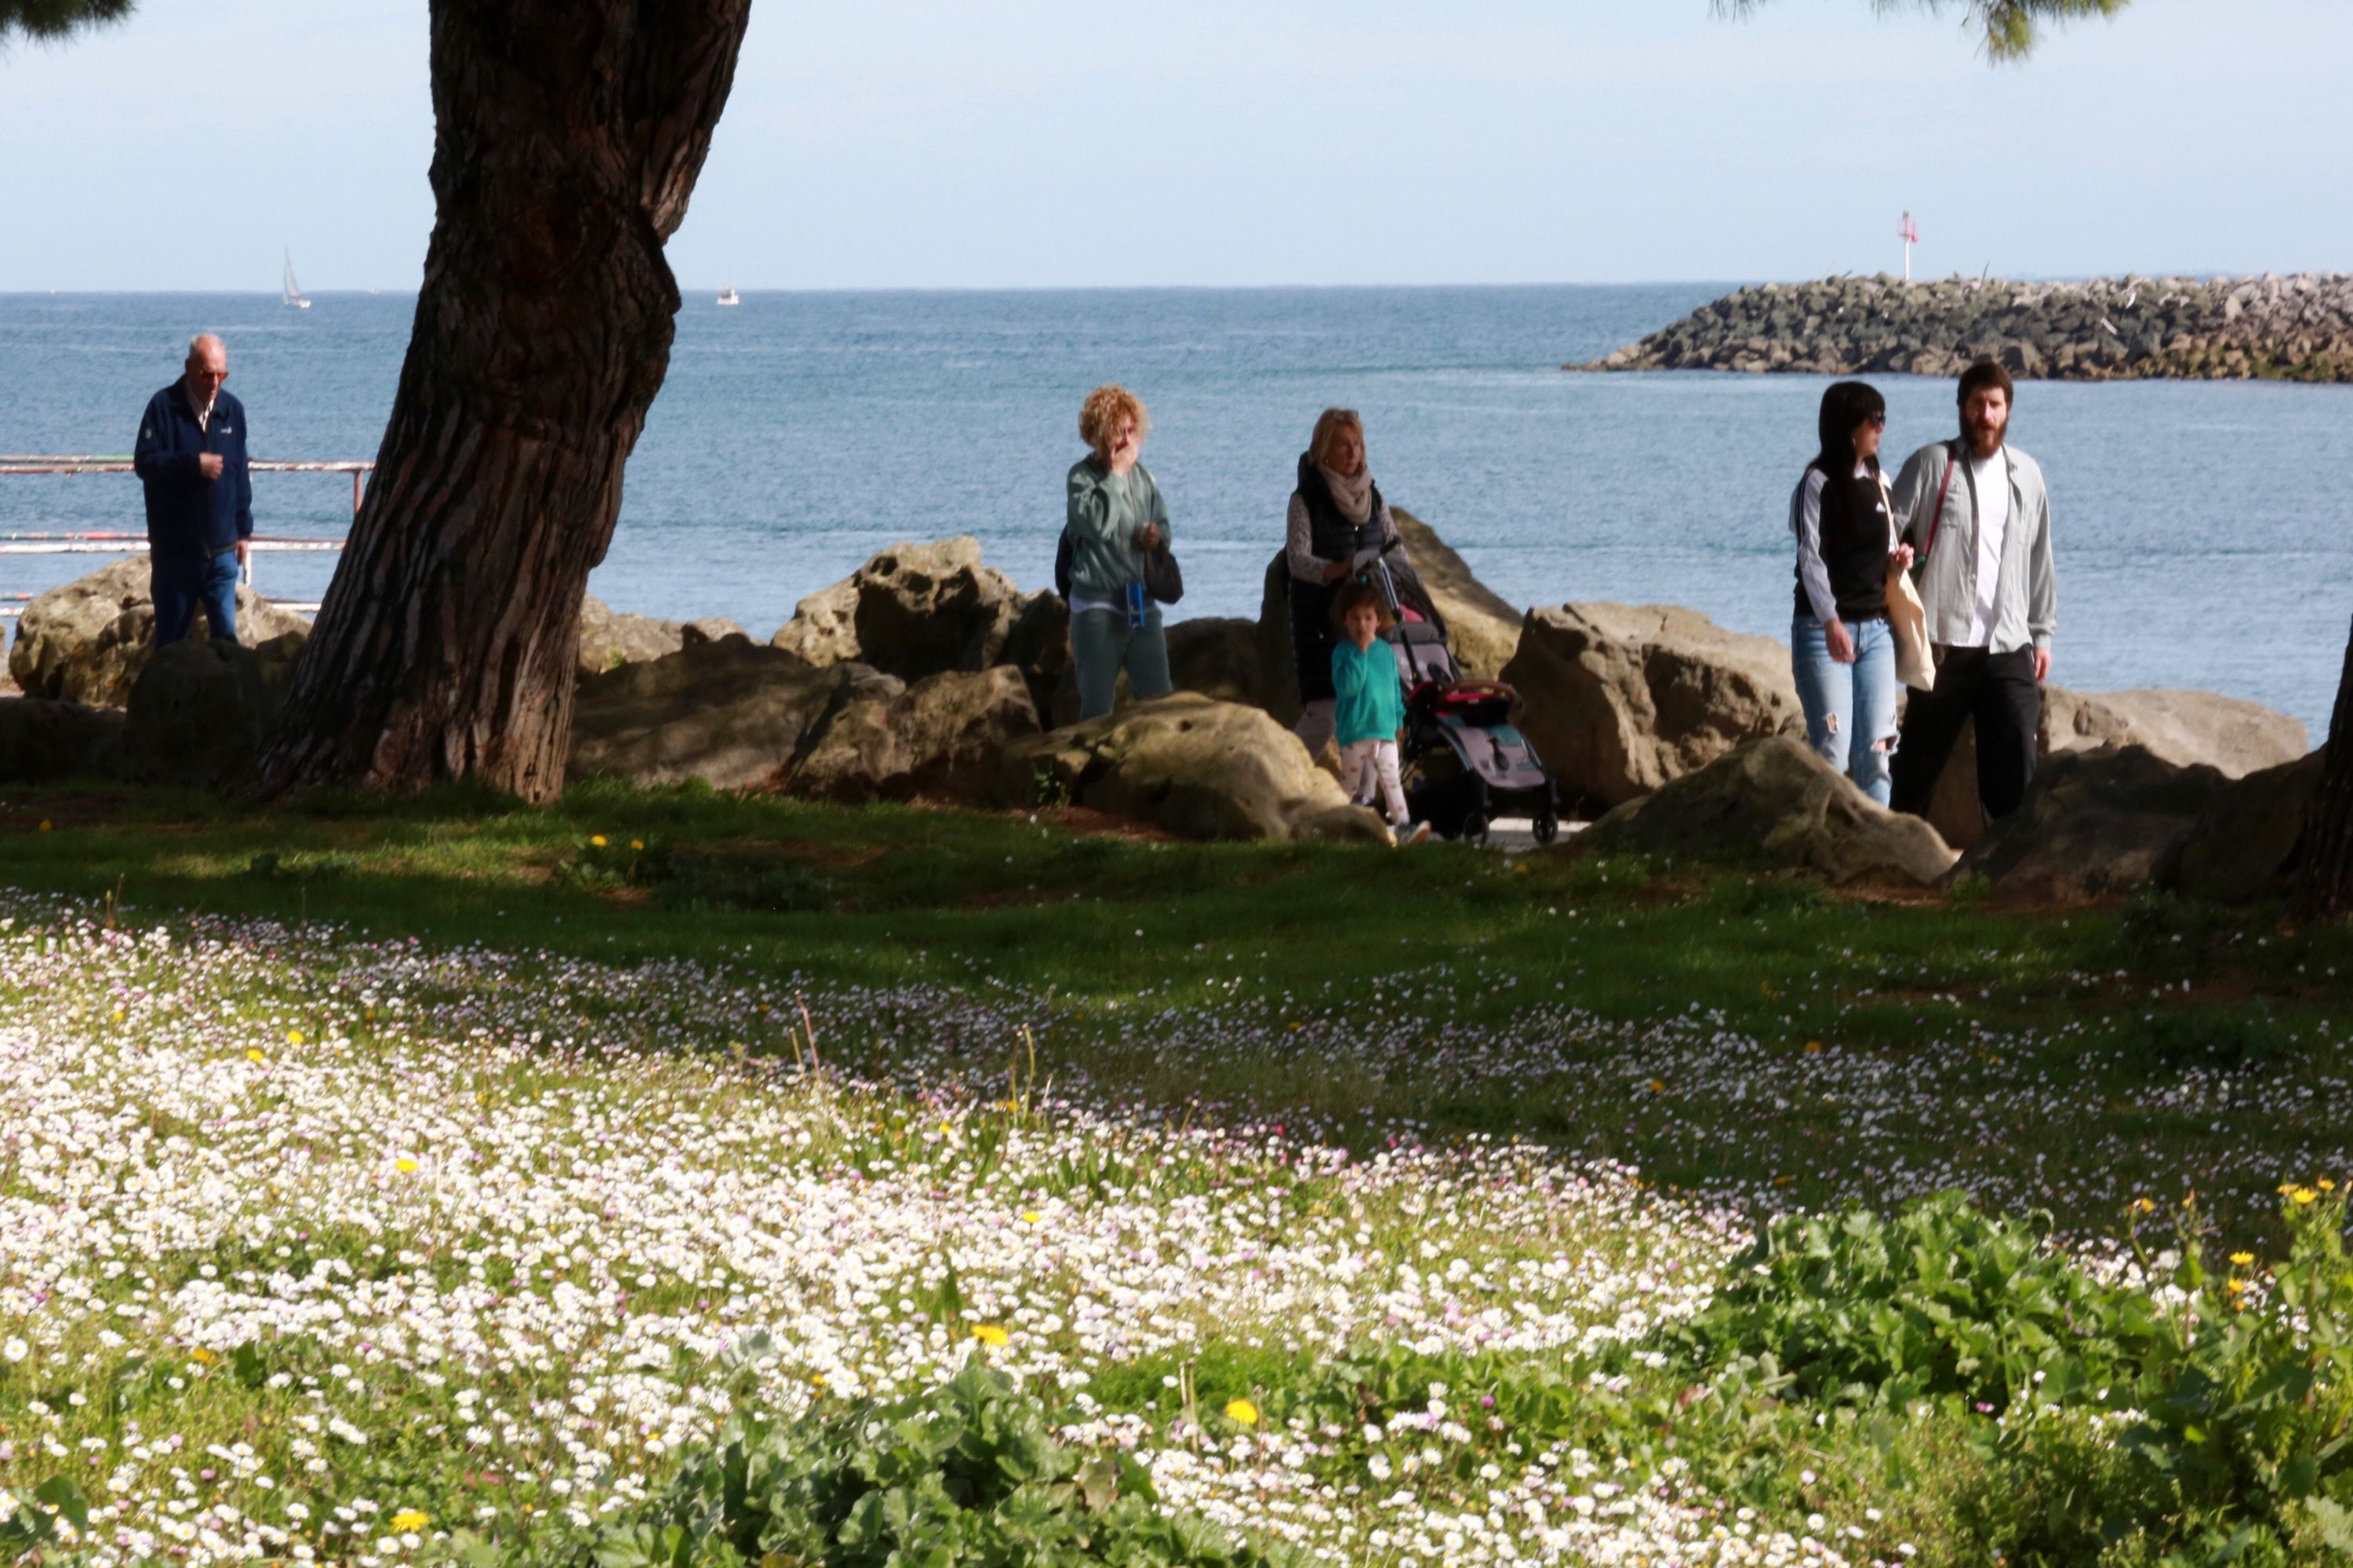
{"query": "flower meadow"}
pixel 327 1247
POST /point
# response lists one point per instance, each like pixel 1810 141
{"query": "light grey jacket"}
pixel 2026 601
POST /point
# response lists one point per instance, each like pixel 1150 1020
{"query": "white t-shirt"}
pixel 1989 477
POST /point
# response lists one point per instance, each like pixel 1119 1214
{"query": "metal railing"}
pixel 110 541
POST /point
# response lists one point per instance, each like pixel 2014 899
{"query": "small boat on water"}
pixel 292 294
pixel 729 297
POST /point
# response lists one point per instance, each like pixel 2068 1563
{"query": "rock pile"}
pixel 926 675
pixel 2297 328
pixel 86 640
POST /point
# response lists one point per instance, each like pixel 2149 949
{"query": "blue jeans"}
pixel 1102 644
pixel 180 586
pixel 1850 708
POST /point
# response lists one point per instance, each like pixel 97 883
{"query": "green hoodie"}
pixel 1107 512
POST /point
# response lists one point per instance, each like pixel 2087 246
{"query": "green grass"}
pixel 2058 1036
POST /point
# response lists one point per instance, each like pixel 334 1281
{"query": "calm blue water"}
pixel 2205 532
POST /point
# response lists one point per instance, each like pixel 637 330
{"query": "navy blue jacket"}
pixel 189 515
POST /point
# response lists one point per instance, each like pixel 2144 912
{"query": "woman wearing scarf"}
pixel 1336 511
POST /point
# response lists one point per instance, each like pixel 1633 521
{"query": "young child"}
pixel 1370 712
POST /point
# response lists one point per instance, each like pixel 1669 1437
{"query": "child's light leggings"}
pixel 1367 763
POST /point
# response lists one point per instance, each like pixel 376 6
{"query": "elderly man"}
pixel 191 456
pixel 1978 518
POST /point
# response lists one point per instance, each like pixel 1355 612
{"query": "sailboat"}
pixel 729 297
pixel 292 293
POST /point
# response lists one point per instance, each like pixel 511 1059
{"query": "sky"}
pixel 1031 144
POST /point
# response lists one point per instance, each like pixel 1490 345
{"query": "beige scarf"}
pixel 1353 497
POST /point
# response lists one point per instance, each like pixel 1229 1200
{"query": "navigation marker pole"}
pixel 1908 232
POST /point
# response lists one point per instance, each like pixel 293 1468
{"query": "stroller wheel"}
pixel 1474 827
pixel 1547 826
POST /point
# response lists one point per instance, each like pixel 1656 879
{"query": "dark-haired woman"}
pixel 1841 647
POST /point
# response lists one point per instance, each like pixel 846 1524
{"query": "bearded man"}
pixel 1978 518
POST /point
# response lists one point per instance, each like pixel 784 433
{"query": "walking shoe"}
pixel 1413 835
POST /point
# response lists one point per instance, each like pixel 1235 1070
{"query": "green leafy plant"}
pixel 1939 1301
pixel 964 1473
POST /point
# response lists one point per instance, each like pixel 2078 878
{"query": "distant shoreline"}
pixel 2274 328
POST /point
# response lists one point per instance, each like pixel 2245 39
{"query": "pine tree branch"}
pixel 2009 29
pixel 51 20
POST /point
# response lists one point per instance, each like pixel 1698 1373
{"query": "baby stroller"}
pixel 1465 763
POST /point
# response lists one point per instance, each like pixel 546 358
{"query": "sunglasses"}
pixel 1877 421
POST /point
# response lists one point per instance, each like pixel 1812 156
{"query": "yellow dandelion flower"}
pixel 2235 1286
pixel 202 1356
pixel 409 1519
pixel 1813 1045
pixel 990 1334
pixel 636 843
pixel 2142 1206
pixel 1032 1217
pixel 2240 1259
pixel 293 1037
pixel 255 1055
pixel 45 824
pixel 598 840
pixel 2303 1195
pixel 119 1015
pixel 2326 1185
pixel 406 1166
pixel 1243 1411
pixel 1657 1087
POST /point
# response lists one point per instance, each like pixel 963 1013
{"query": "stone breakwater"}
pixel 2297 328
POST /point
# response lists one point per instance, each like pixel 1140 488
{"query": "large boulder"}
pixel 199 711
pixel 1622 699
pixel 1199 767
pixel 733 714
pixel 1216 656
pixel 938 739
pixel 86 640
pixel 2094 824
pixel 1482 627
pixel 1776 802
pixel 43 741
pixel 2230 735
pixel 1038 643
pixel 912 610
pixel 611 638
pixel 2243 843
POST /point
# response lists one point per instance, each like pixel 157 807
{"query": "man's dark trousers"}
pixel 179 584
pixel 1998 689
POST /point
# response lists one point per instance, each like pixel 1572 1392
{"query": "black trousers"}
pixel 1998 689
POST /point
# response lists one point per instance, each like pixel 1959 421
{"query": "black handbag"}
pixel 1162 579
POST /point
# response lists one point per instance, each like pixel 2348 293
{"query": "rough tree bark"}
pixel 568 136
pixel 2326 889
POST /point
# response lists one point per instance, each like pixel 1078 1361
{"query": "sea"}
pixel 2204 531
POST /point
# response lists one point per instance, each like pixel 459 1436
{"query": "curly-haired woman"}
pixel 1116 514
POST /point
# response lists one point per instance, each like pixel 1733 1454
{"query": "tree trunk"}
pixel 2327 891
pixel 568 136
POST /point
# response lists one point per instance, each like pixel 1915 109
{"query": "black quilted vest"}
pixel 1333 538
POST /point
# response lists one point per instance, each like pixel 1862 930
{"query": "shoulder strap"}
pixel 1937 518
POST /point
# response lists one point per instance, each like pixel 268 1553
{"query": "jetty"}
pixel 2294 328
